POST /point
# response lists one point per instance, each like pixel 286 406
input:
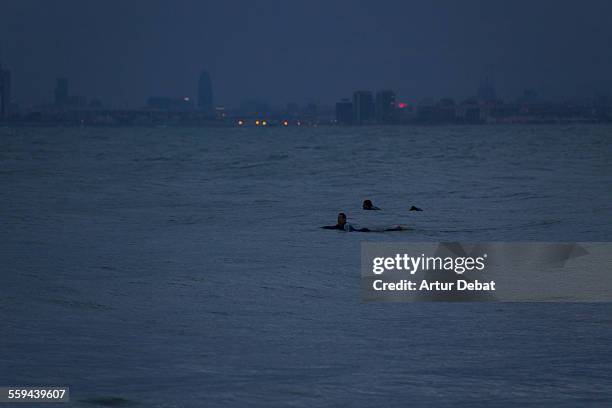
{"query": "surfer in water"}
pixel 342 225
pixel 367 205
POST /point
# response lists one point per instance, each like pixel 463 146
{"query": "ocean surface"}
pixel 172 267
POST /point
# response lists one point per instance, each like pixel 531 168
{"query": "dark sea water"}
pixel 185 267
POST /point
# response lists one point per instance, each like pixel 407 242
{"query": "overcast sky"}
pixel 281 51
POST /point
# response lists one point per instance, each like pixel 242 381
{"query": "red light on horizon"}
pixel 402 105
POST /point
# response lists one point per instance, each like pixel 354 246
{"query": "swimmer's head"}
pixel 341 218
pixel 367 205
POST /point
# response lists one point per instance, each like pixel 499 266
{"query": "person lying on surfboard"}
pixel 367 205
pixel 342 225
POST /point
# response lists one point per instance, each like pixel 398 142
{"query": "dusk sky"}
pixel 125 51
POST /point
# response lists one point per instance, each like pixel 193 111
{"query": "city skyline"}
pixel 201 98
pixel 309 52
pixel 366 108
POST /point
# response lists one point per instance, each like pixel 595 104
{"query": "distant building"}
pixel 61 92
pixel 469 111
pixel 427 110
pixel 446 110
pixel 363 107
pixel 77 101
pixel 205 93
pixel 529 97
pixel 5 93
pixel 385 107
pixel 344 112
pixel 95 103
pixel 220 112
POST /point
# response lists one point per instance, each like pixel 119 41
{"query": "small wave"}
pixel 539 223
pixel 110 402
pixel 280 156
pixel 79 304
pixel 254 165
pixel 153 159
pixel 266 201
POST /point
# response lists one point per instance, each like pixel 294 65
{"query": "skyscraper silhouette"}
pixel 363 107
pixel 205 94
pixel 344 112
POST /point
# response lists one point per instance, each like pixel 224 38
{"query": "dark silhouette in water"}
pixel 367 205
pixel 342 225
pixel 413 208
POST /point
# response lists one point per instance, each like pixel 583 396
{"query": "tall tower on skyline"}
pixel 205 93
pixel 363 107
